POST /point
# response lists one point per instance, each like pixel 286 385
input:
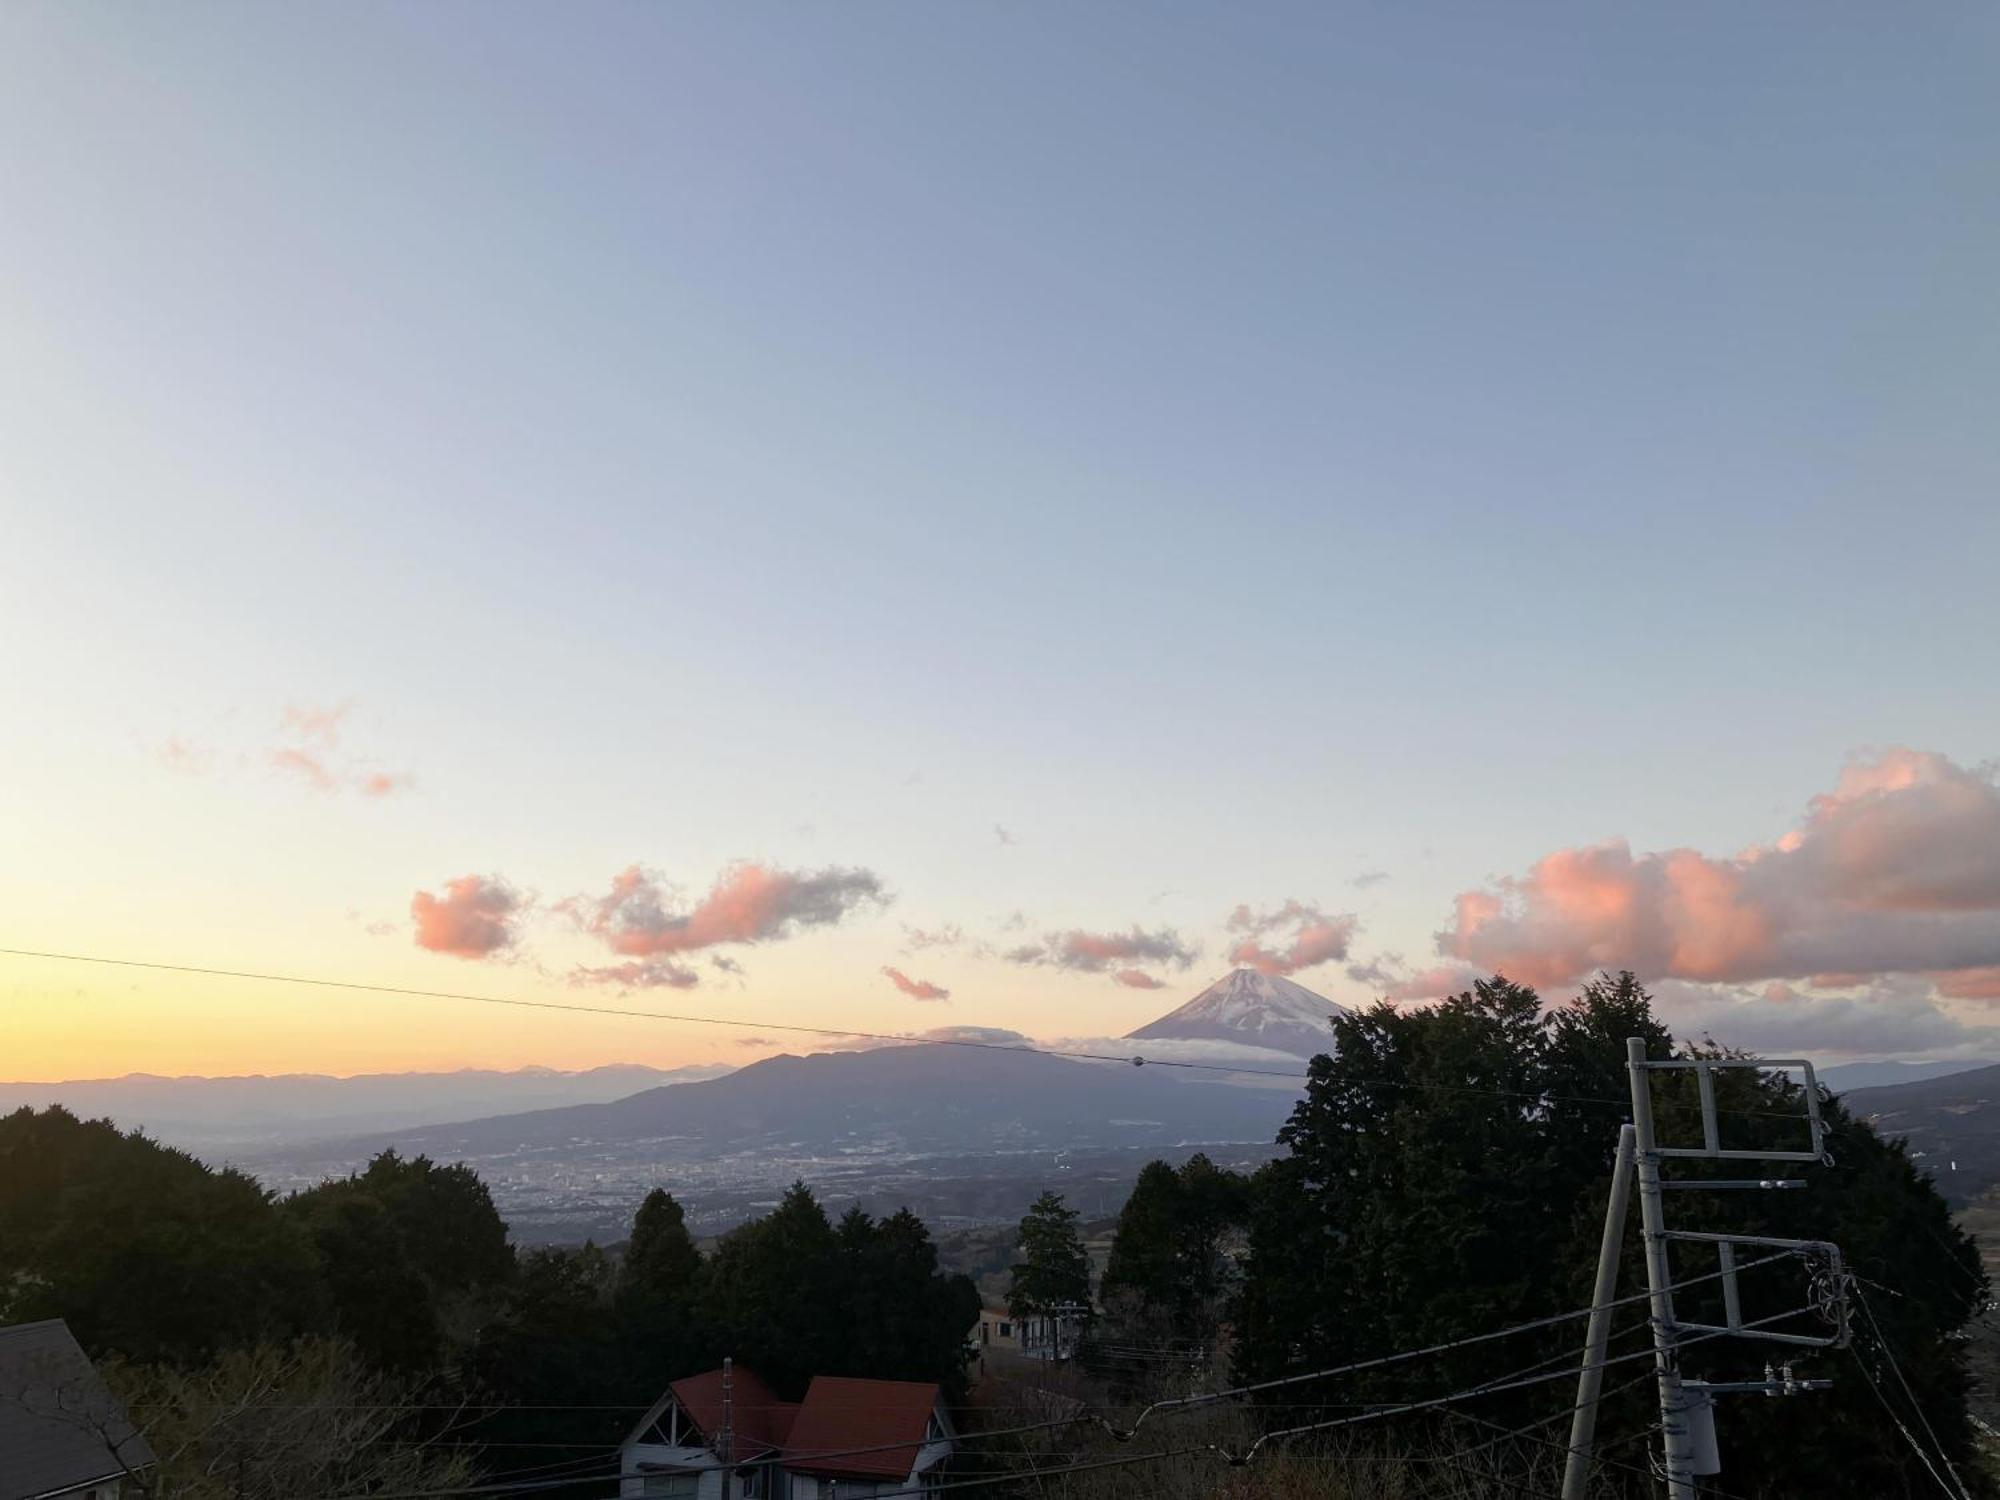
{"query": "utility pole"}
pixel 1597 1335
pixel 726 1439
pixel 1676 1442
pixel 1687 1420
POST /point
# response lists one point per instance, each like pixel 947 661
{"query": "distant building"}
pixel 1035 1336
pixel 63 1436
pixel 726 1436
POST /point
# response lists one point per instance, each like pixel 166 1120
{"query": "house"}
pixel 855 1438
pixel 1033 1336
pixel 725 1435
pixel 63 1435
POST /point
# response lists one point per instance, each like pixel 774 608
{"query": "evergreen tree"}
pixel 1053 1270
pixel 380 1300
pixel 553 1362
pixel 661 1256
pixel 144 1250
pixel 1142 1274
pixel 1445 1174
pixel 792 1295
pixel 451 1231
pixel 1213 1204
pixel 768 1293
pixel 411 1253
pixel 1167 1274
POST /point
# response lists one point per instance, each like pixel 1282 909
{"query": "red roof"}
pixel 758 1419
pixel 890 1416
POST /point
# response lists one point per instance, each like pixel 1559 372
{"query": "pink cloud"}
pixel 1391 979
pixel 316 726
pixel 1305 936
pixel 1097 952
pixel 1970 984
pixel 916 989
pixel 307 766
pixel 189 759
pixel 1895 870
pixel 474 918
pixel 312 755
pixel 749 903
pixel 640 974
pixel 1138 979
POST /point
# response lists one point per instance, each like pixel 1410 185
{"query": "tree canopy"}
pixel 1168 1272
pixel 1054 1269
pixel 1445 1174
pixel 144 1250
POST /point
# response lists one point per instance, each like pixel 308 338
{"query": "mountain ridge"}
pixel 1260 1010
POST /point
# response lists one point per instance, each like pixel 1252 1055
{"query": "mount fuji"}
pixel 1258 1010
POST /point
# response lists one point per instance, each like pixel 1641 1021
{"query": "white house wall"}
pixel 637 1458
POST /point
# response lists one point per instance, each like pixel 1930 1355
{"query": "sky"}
pixel 695 508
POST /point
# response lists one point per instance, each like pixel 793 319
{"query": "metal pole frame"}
pixel 1597 1333
pixel 1676 1441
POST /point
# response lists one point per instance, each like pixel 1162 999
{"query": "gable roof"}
pixel 59 1427
pixel 759 1421
pixel 840 1413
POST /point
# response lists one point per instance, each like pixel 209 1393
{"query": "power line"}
pixel 842 1034
pixel 1901 1426
pixel 1512 1381
pixel 1915 1405
pixel 839 1034
pixel 1206 1398
pixel 1368 1411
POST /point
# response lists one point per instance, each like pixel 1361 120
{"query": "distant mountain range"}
pixel 1952 1125
pixel 899 1100
pixel 1258 1010
pixel 1842 1077
pixel 258 1110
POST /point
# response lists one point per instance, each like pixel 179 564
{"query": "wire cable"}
pixel 842 1034
pixel 1206 1398
pixel 1917 1406
pixel 206 971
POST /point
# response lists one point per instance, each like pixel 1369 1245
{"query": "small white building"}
pixel 63 1436
pixel 1033 1335
pixel 724 1435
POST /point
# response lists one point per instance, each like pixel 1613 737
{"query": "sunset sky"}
pixel 695 508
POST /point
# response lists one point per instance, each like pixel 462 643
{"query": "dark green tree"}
pixel 553 1363
pixel 1143 1270
pixel 903 1319
pixel 453 1234
pixel 1054 1269
pixel 766 1292
pixel 412 1255
pixel 657 1286
pixel 381 1302
pixel 1168 1273
pixel 792 1295
pixel 1213 1205
pixel 1445 1174
pixel 144 1250
pixel 661 1257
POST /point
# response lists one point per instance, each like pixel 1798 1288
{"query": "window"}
pixel 1006 1330
pixel 671 1486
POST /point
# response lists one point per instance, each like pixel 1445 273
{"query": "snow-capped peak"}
pixel 1264 1010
